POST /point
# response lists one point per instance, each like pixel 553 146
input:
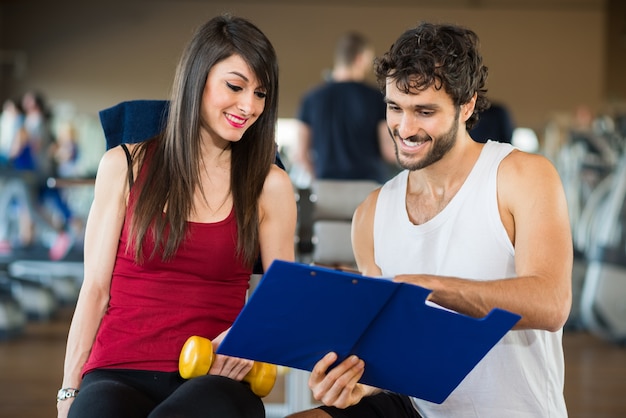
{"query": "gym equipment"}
pixel 333 204
pixel 196 358
pixel 35 299
pixel 63 278
pixel 12 317
pixel 603 301
pixel 41 287
pixel 587 163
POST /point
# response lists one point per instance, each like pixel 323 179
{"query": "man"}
pixel 481 225
pixel 342 134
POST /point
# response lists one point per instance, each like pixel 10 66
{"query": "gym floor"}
pixel 31 369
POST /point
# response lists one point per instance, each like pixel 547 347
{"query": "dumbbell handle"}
pixel 196 358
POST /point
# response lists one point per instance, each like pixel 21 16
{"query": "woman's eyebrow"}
pixel 237 73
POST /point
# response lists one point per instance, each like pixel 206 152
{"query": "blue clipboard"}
pixel 298 313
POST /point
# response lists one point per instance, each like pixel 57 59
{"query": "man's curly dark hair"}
pixel 440 55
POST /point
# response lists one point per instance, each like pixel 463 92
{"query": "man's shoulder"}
pixel 520 165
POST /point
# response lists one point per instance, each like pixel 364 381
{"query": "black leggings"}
pixel 144 394
pixel 381 405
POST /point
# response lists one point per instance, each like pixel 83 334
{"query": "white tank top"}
pixel 523 375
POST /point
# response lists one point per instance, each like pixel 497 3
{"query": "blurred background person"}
pixel 32 152
pixel 342 134
pixel 11 127
pixel 495 123
pixel 24 224
pixel 64 151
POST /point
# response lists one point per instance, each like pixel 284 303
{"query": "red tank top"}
pixel 156 306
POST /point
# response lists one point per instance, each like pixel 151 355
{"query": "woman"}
pixel 170 245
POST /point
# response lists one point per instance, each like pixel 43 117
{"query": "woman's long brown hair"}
pixel 166 184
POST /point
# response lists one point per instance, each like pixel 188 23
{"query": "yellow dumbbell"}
pixel 196 358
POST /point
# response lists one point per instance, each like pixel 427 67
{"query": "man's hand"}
pixel 339 387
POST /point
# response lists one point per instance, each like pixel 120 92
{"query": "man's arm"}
pixel 363 236
pixel 533 210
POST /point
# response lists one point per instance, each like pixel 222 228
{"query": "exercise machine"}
pixel 603 301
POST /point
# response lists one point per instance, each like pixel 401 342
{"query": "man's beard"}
pixel 441 146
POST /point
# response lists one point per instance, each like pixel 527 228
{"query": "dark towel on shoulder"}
pixel 133 121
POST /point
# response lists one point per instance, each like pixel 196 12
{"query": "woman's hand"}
pixel 63 407
pixel 232 367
